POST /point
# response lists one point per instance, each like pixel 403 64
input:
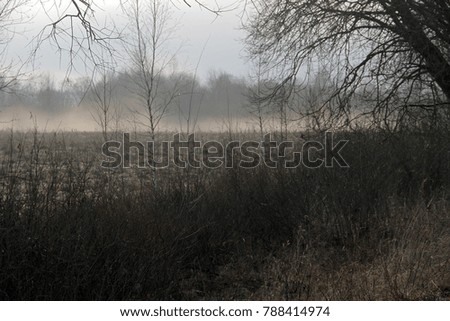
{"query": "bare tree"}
pixel 310 98
pixel 75 30
pixel 257 106
pixel 154 86
pixel 397 51
pixel 105 110
pixel 151 61
pixel 190 97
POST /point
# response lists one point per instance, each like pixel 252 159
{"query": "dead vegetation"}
pixel 379 230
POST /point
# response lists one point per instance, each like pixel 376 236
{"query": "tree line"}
pixel 383 63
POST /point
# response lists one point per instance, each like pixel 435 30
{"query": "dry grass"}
pixel 379 230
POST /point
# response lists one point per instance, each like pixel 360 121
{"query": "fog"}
pixel 53 88
pixel 215 105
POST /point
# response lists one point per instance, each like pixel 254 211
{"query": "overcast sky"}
pixel 198 28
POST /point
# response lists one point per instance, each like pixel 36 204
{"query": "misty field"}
pixel 72 230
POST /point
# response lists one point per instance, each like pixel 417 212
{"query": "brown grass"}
pixel 379 230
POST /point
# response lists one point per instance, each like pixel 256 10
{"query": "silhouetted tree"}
pixel 396 51
pixel 102 94
pixel 258 107
pixel 150 61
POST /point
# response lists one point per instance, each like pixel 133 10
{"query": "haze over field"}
pixel 74 106
pixel 202 44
